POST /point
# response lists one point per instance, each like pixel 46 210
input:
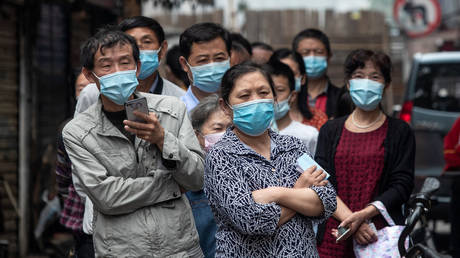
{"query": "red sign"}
pixel 417 17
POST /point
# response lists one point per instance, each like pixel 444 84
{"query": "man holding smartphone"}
pixel 132 171
pixel 150 39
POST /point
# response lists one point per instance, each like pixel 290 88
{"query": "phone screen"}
pixel 341 232
pixel 139 104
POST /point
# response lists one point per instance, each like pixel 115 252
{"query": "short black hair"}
pixel 277 68
pixel 172 60
pixel 236 72
pixel 358 58
pixel 312 33
pixel 302 99
pixel 107 36
pixel 283 53
pixel 262 45
pixel 239 39
pixel 345 105
pixel 142 21
pixel 203 32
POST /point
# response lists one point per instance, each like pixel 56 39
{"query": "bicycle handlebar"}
pixel 430 185
pixel 420 204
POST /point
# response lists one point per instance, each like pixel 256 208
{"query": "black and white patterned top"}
pixel 249 229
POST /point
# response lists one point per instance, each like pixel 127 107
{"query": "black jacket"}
pixel 397 182
pixel 333 93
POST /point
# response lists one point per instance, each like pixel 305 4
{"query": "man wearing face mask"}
pixel 313 45
pixel 153 46
pixel 205 49
pixel 133 172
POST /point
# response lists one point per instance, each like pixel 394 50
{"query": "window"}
pixel 438 87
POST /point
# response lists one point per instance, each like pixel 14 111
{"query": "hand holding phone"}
pixel 341 232
pixel 145 126
pixel 305 161
pixel 140 105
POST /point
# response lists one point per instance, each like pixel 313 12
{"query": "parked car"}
pixel 431 105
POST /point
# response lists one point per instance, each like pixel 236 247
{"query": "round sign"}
pixel 417 17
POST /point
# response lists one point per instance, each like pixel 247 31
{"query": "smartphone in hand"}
pixel 341 232
pixel 139 104
pixel 304 162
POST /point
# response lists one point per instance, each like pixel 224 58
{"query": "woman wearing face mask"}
pixel 299 111
pixel 283 79
pixel 262 205
pixel 370 156
pixel 209 122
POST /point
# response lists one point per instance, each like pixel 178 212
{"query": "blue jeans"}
pixel 204 221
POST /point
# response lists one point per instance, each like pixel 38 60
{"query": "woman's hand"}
pixel 365 234
pixel 355 220
pixel 266 195
pixel 311 176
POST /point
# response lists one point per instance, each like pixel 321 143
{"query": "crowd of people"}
pixel 211 170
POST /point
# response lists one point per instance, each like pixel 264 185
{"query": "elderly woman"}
pixel 262 205
pixel 369 156
pixel 209 123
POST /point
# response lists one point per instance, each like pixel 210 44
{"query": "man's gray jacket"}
pixel 138 206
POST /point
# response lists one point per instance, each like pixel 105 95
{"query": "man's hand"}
pixel 150 131
pixel 311 176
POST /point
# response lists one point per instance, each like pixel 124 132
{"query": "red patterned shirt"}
pixel 359 162
pixel 71 215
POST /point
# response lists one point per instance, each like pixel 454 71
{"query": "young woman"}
pixel 369 156
pixel 283 80
pixel 262 205
pixel 300 110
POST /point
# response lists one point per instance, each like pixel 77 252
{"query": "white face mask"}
pixel 211 139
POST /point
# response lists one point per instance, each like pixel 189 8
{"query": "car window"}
pixel 438 87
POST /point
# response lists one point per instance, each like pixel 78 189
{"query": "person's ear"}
pixel 385 87
pixel 163 51
pixel 225 108
pixel 183 64
pixel 348 85
pixel 186 68
pixel 138 68
pixel 88 75
pixel 293 99
pixel 303 80
pixel 329 56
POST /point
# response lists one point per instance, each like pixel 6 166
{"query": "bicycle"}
pixel 419 207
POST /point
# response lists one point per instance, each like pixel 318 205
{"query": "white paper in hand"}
pixel 305 161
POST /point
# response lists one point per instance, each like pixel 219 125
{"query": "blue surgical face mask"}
pixel 315 66
pixel 253 117
pixel 149 62
pixel 281 108
pixel 208 77
pixel 365 93
pixel 118 86
pixel 298 83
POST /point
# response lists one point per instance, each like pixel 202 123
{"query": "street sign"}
pixel 417 17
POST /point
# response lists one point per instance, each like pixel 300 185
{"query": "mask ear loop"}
pixel 228 105
pixel 190 68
